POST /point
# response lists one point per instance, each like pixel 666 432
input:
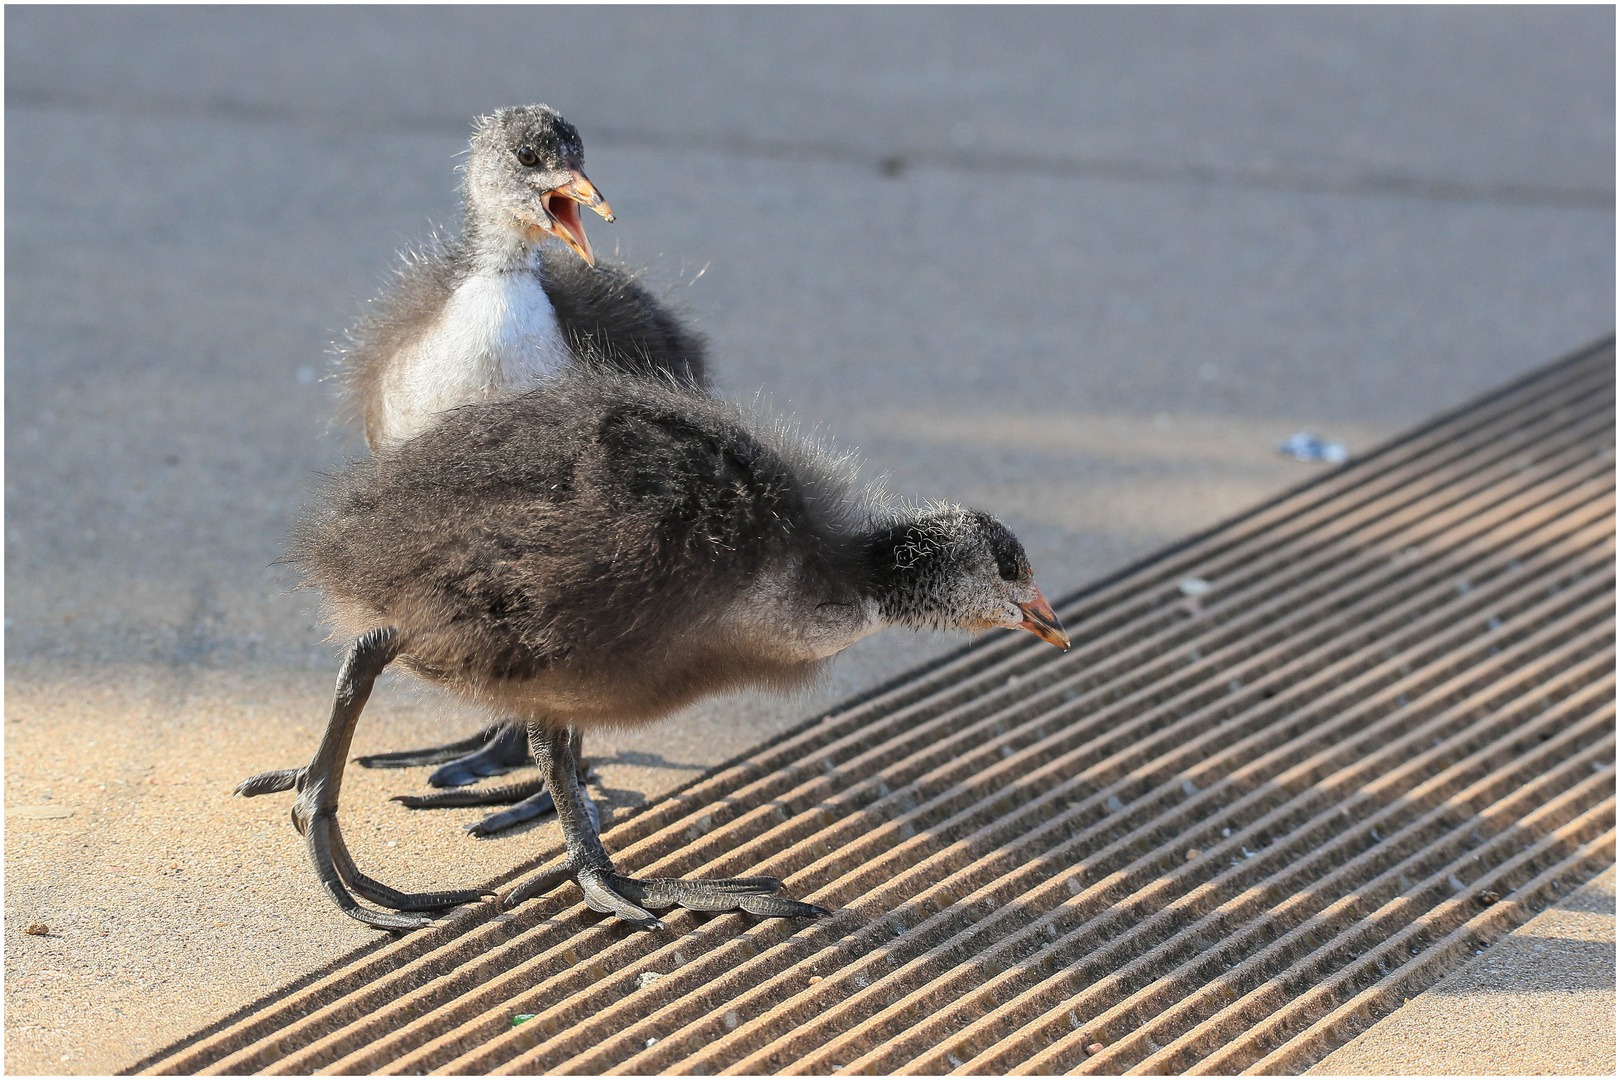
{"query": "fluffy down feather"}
pixel 599 549
pixel 605 313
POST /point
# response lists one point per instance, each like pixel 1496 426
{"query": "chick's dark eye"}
pixel 1008 569
pixel 528 158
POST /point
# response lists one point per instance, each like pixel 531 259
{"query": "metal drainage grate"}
pixel 1227 832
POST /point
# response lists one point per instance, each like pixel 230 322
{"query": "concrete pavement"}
pixel 1082 267
pixel 1540 1002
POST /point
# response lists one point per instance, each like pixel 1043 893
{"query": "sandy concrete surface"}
pixel 1540 1002
pixel 1081 267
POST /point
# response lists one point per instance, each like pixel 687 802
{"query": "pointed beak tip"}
pixel 1049 633
pixel 576 239
pixel 582 191
pixel 1042 621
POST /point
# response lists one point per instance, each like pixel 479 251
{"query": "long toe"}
pixel 432 755
pixel 780 907
pixel 378 893
pixel 755 895
pixel 371 889
pixel 468 770
pixel 668 892
pixel 503 795
pixel 543 882
pixel 506 750
pixel 388 920
pixel 527 810
pixel 266 782
pixel 335 866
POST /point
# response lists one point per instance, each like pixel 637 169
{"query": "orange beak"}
pixel 1043 622
pixel 562 206
pixel 584 192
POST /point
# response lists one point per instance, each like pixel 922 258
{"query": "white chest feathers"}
pixel 497 336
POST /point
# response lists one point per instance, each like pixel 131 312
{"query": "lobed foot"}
pixel 556 751
pixel 494 751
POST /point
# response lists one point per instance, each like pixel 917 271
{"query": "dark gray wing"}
pixel 606 312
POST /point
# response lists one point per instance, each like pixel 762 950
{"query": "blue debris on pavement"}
pixel 1304 446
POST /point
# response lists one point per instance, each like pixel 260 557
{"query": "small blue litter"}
pixel 1304 446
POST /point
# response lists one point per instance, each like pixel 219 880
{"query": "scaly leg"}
pixel 314 812
pixel 607 890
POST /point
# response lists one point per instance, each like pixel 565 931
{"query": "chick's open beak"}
pixel 582 191
pixel 562 208
pixel 1042 622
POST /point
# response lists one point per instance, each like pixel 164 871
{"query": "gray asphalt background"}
pixel 1081 267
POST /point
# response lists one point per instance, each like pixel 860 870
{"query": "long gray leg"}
pixel 607 890
pixel 319 783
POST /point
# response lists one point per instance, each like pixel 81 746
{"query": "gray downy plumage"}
pixel 604 550
pixel 483 316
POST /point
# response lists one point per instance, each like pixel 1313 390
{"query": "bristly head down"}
pixel 953 568
pixel 525 180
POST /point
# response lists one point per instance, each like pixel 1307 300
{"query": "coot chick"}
pixel 484 316
pixel 602 551
pixel 487 313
